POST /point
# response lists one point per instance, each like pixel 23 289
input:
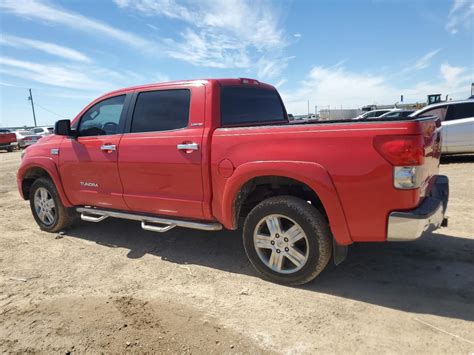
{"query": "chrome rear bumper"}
pixel 430 215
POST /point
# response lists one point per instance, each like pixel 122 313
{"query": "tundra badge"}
pixel 89 184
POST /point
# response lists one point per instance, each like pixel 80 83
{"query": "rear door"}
pixel 459 128
pixel 161 155
pixel 88 163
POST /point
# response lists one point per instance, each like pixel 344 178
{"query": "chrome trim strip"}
pixel 158 220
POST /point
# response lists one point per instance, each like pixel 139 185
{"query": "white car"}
pixel 26 138
pixel 397 113
pixel 457 119
pixel 372 114
pixel 42 131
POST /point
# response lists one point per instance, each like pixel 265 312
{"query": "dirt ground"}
pixel 113 287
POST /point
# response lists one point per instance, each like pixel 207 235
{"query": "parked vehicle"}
pixel 397 113
pixel 42 131
pixel 372 114
pixel 458 124
pixel 7 140
pixel 26 138
pixel 209 154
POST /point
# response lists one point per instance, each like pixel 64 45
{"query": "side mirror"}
pixel 63 128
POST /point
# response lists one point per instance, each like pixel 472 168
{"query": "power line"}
pixel 54 113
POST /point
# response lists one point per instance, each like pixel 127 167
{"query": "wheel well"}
pixel 260 188
pixel 29 178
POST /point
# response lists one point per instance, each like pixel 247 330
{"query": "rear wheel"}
pixel 47 208
pixel 10 149
pixel 287 240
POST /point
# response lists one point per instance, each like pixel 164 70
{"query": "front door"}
pixel 160 158
pixel 88 163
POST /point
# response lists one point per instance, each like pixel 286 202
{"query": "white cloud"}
pixel 271 68
pixel 87 78
pixel 424 61
pixel 460 15
pixel 297 35
pixel 452 74
pixel 47 47
pixel 280 83
pixel 36 9
pixel 335 86
pixel 220 33
pixel 209 50
pixel 72 77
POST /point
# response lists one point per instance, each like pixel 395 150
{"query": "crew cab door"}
pixel 88 162
pixel 160 156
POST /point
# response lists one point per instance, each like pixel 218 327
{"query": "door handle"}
pixel 188 146
pixel 108 147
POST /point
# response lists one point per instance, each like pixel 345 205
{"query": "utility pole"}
pixel 30 98
pixel 308 107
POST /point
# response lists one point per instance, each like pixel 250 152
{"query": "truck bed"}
pixel 345 150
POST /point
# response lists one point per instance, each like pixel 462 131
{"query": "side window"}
pixel 440 112
pixel 103 118
pixel 161 110
pixel 379 113
pixel 459 111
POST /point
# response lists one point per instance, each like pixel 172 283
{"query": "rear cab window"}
pixel 245 106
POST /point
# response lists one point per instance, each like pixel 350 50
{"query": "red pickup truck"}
pixel 208 154
pixel 7 140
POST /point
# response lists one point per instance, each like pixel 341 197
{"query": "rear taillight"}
pixel 401 150
pixel 406 154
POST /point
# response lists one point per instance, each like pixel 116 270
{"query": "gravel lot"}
pixel 114 287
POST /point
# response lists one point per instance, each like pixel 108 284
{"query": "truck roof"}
pixel 221 82
pixel 441 104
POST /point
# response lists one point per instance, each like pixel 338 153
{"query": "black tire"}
pixel 10 149
pixel 318 241
pixel 63 217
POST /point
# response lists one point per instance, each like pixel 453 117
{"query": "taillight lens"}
pixel 401 150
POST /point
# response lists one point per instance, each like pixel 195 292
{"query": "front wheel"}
pixel 47 208
pixel 287 240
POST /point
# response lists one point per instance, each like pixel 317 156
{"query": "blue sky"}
pixel 333 53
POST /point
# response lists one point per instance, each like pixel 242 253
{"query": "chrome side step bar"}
pixel 164 224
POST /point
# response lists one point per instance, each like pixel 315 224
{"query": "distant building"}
pixel 338 114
